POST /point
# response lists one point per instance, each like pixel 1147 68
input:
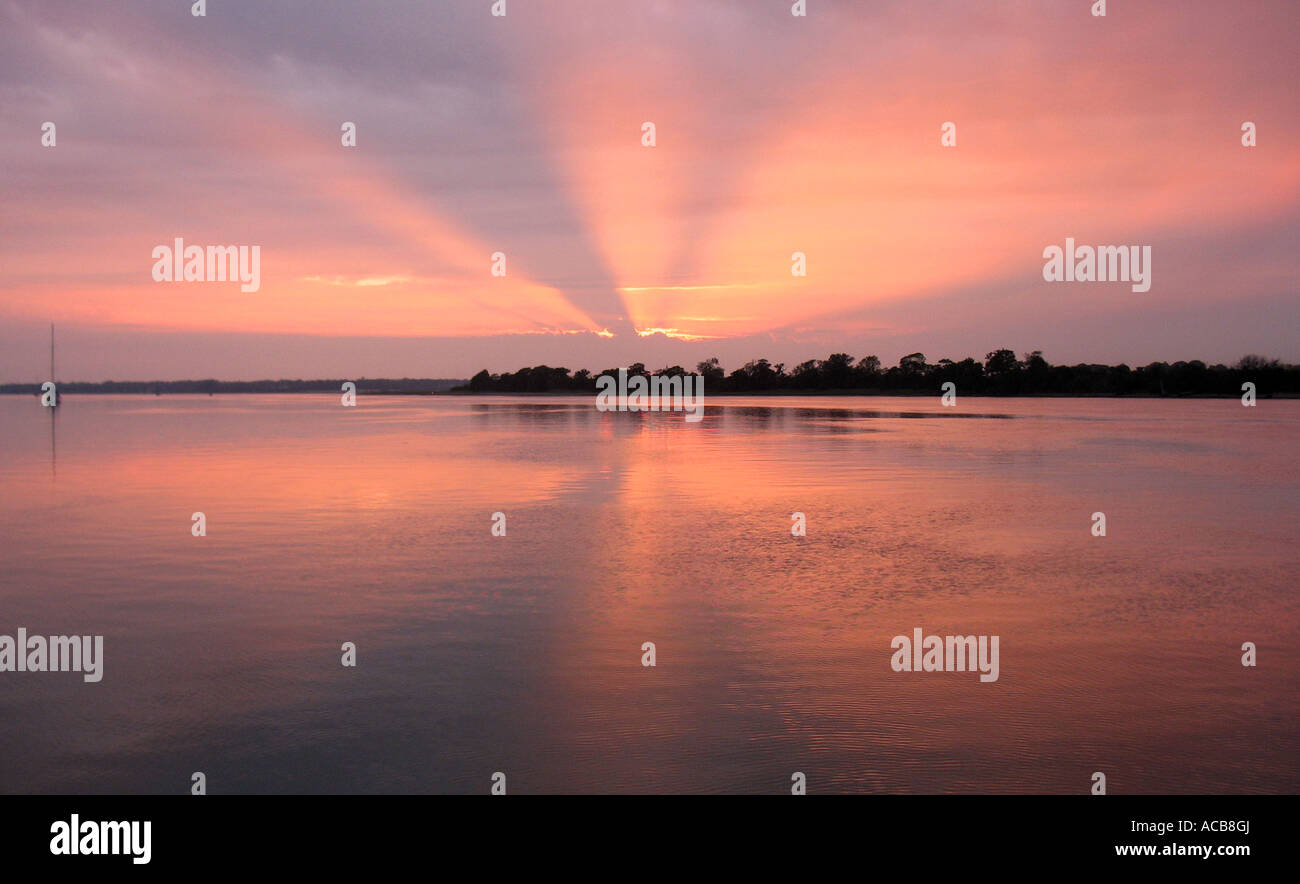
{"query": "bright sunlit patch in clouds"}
pixel 364 282
pixel 670 333
pixel 682 288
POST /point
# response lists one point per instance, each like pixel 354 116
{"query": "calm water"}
pixel 522 653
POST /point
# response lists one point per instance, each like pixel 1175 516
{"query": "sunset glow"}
pixel 532 146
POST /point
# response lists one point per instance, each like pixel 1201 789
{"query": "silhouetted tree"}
pixel 837 371
pixel 912 363
pixel 868 368
pixel 1000 362
pixel 711 371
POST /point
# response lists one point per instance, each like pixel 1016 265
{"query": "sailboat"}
pixel 53 390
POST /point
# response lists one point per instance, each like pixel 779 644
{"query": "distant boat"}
pixel 54 388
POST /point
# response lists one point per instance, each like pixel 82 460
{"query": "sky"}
pixel 523 134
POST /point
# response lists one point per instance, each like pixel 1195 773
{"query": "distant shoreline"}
pixel 1000 376
pixel 207 386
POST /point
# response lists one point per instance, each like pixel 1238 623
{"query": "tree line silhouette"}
pixel 1000 374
